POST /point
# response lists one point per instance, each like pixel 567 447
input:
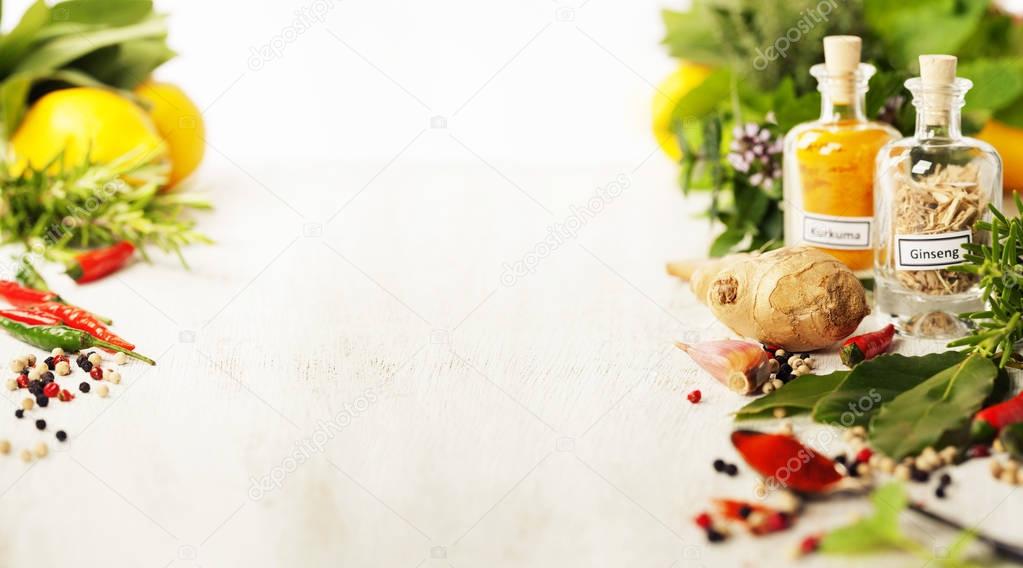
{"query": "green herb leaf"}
pixel 691 35
pixel 922 415
pixel 65 49
pixel 104 12
pixel 798 397
pixel 911 27
pixel 877 381
pixel 996 82
pixel 704 99
pixel 880 531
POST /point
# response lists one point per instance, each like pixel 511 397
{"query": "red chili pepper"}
pixel 80 319
pixel 988 422
pixel 21 296
pixel 95 264
pixel 867 346
pixel 29 317
pixel 785 460
pixel 51 390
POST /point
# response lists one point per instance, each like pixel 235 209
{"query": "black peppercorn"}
pixel 47 377
pixel 945 479
pixel 49 363
pixel 940 492
pixel 82 357
pixel 86 366
pixel 41 424
pixel 715 536
pixel 745 511
pixel 61 435
pixel 719 465
pixel 919 475
pixel 42 400
pixel 840 459
pixel 19 413
pixel 84 387
pixel 731 470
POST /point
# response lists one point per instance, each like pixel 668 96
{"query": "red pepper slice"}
pixel 21 296
pixel 867 346
pixel 29 317
pixel 988 422
pixel 785 460
pixel 95 264
pixel 78 318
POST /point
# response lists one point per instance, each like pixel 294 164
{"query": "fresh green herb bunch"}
pixel 998 267
pixel 92 205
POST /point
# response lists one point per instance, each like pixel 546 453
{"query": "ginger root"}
pixel 798 298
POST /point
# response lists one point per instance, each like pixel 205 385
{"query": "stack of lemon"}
pixel 102 126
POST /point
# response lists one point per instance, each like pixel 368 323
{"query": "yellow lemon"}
pixel 180 124
pixel 1008 141
pixel 84 122
pixel 686 78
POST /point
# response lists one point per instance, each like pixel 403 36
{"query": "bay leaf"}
pixel 944 403
pixel 797 397
pixel 877 381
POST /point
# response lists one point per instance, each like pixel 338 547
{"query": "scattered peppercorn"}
pixel 66 396
pixel 745 510
pixel 840 459
pixel 51 389
pixel 731 470
pixel 42 400
pixel 47 377
pixel 49 363
pixel 96 373
pixel 720 465
pixel 41 424
pixel 810 544
pixel 84 387
pixel 919 475
pixel 86 366
pixel 82 358
pixel 979 451
pixel 19 413
pixel 715 536
pixel 22 381
pixel 61 435
pixel 695 396
pixel 863 456
pixel 940 492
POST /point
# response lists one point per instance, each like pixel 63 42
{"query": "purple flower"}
pixel 755 152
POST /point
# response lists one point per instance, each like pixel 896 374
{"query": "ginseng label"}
pixel 930 252
pixel 850 233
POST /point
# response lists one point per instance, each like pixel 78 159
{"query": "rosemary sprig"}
pixel 56 210
pixel 1000 273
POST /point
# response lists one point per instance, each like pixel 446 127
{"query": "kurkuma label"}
pixel 851 233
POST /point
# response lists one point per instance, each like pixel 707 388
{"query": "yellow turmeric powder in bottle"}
pixel 829 163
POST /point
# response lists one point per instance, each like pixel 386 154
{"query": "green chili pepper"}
pixel 48 337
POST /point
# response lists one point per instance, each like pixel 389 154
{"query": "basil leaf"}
pixel 65 49
pixel 797 397
pixel 874 382
pixel 945 402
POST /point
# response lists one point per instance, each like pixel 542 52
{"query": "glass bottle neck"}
pixel 843 111
pixel 938 123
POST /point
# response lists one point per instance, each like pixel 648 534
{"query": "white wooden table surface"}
pixel 350 377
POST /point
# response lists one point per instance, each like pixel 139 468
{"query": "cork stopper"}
pixel 937 76
pixel 842 59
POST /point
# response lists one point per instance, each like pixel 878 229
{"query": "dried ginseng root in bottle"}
pixel 829 163
pixel 931 190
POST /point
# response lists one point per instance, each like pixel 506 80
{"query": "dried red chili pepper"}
pixel 988 422
pixel 785 460
pixel 867 346
pixel 95 264
pixel 78 318
pixel 29 317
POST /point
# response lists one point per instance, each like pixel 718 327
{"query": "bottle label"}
pixel 848 233
pixel 930 252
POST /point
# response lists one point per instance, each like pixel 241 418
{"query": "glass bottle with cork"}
pixel 931 190
pixel 829 163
